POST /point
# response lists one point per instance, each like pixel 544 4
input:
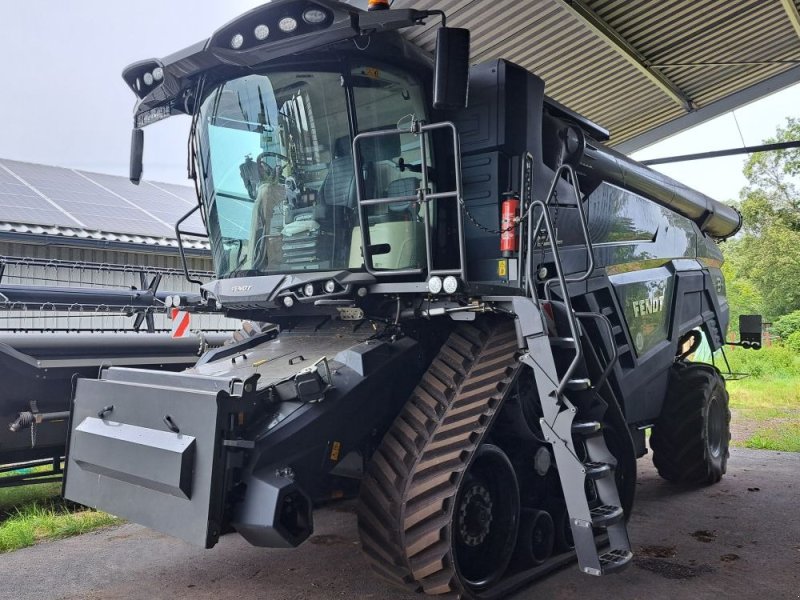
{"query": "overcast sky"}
pixel 63 102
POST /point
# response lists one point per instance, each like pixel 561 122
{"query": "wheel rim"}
pixel 485 519
pixel 716 426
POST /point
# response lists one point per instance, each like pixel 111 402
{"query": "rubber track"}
pixel 408 494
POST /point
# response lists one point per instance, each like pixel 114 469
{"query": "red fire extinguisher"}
pixel 508 226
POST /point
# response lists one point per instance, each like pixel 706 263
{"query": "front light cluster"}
pixel 312 289
pixel 449 285
pixel 148 78
pixel 261 32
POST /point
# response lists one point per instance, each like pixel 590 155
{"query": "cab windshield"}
pixel 278 184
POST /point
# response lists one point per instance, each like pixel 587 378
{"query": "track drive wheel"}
pixel 439 506
pixel 691 438
pixel 486 519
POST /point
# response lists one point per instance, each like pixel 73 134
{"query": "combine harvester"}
pixel 476 311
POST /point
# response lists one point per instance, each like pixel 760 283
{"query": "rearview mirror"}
pixel 451 70
pixel 137 149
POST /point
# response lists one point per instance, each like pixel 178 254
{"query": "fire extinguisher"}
pixel 508 226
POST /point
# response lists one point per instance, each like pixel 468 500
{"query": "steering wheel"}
pixel 265 169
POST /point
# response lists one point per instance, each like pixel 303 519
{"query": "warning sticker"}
pixel 180 322
pixel 502 268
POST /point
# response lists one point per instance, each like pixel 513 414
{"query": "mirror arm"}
pixel 137 150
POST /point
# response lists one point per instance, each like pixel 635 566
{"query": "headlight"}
pixel 314 16
pixel 237 41
pixel 450 284
pixel 287 24
pixel 435 284
pixel 308 290
pixel 330 286
pixel 261 32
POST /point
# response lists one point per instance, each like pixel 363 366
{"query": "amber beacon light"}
pixel 378 5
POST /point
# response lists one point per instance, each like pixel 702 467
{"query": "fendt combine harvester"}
pixel 475 310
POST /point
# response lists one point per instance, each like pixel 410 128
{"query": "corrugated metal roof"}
pixel 54 201
pixel 691 53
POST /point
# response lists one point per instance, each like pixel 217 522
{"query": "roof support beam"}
pixel 629 53
pixel 793 14
pixel 709 111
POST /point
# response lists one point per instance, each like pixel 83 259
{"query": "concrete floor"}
pixel 740 538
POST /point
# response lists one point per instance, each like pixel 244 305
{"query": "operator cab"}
pixel 278 176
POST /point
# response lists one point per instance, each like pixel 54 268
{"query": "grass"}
pixel 770 410
pixel 29 514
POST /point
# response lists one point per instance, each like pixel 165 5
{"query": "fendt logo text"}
pixel 649 306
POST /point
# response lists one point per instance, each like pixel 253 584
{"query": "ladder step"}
pixel 607 311
pixel 585 428
pixel 616 329
pixel 614 560
pixel 606 515
pixel 596 470
pixel 562 342
pixel 578 385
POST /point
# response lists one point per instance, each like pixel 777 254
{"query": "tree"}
pixel 763 262
pixel 773 190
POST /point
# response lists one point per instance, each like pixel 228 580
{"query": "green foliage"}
pixel 792 342
pixel 768 412
pixel 783 438
pixel 34 522
pixel 774 178
pixel 35 512
pixel 763 263
pixel 787 324
pixel 772 361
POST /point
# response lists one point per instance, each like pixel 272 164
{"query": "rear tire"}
pixel 691 439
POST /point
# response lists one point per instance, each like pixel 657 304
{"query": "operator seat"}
pixel 338 189
pixel 403 211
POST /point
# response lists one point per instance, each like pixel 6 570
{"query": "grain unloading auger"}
pixel 476 311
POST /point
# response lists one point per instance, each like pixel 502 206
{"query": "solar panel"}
pixel 160 204
pixel 100 202
pixel 21 204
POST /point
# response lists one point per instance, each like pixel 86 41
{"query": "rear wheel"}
pixel 691 439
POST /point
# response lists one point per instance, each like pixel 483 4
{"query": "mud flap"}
pixel 148 446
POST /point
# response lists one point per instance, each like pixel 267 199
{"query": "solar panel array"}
pixel 53 196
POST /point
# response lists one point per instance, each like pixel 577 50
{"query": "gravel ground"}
pixel 740 538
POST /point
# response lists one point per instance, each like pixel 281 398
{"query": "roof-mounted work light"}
pixel 144 76
pixel 271 24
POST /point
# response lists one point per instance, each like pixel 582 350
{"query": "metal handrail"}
pixel 423 197
pixel 561 279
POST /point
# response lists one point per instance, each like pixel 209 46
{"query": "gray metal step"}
pixel 578 385
pixel 562 342
pixel 596 470
pixel 614 560
pixel 585 428
pixel 606 515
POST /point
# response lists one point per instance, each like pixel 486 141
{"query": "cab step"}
pixel 596 469
pixel 606 515
pixel 585 428
pixel 578 385
pixel 614 560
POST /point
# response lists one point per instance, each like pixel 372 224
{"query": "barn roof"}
pixel 644 69
pixel 54 201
